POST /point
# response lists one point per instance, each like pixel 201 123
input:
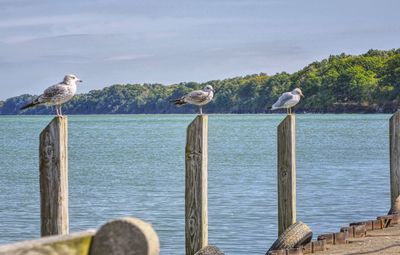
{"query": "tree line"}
pixel 340 83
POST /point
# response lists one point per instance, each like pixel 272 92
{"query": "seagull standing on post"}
pixel 288 100
pixel 57 94
pixel 197 97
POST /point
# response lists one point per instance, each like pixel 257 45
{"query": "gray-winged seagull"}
pixel 57 94
pixel 197 97
pixel 288 100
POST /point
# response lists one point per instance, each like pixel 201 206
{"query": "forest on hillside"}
pixel 341 83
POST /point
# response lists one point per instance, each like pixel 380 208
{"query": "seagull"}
pixel 197 97
pixel 288 100
pixel 57 94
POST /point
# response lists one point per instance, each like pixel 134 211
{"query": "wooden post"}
pixel 196 215
pixel 53 156
pixel 394 136
pixel 286 173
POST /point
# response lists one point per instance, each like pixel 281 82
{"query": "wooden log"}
pixel 368 224
pixel 394 137
pixel 128 236
pixel 286 173
pixel 210 250
pixel 277 252
pixel 329 237
pixel 53 156
pixel 377 224
pixel 196 215
pixel 294 251
pixel 340 238
pixel 307 248
pixel 319 245
pixel 387 220
pixel 359 231
pixel 348 230
pixel 78 243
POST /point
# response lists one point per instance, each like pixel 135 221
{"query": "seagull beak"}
pixel 301 94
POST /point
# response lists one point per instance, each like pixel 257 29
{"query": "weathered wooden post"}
pixel 196 214
pixel 53 156
pixel 286 173
pixel 394 136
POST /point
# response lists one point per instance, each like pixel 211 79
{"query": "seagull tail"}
pixel 31 104
pixel 272 108
pixel 178 102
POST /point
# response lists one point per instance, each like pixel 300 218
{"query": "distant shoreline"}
pixel 213 113
pixel 366 83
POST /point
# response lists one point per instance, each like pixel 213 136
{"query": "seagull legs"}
pixel 200 110
pixel 58 111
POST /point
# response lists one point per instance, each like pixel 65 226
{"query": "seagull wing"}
pixel 52 92
pixel 285 97
pixel 196 97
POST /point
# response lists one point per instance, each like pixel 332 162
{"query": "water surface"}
pixel 121 165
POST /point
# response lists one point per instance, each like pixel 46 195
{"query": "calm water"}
pixel 134 165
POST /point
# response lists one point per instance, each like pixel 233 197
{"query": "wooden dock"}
pixel 377 236
pixel 384 241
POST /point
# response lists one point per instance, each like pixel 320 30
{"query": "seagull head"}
pixel 208 88
pixel 71 79
pixel 297 91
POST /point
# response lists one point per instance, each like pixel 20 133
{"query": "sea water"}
pixel 133 165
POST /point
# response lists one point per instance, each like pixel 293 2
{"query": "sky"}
pixel 107 42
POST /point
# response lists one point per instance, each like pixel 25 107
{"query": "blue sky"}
pixel 106 42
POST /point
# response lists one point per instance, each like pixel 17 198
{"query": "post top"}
pixel 289 118
pixel 395 115
pixel 55 122
pixel 59 119
pixel 200 117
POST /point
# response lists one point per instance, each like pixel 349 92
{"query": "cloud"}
pixel 42 20
pixel 127 57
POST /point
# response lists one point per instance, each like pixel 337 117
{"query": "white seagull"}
pixel 57 94
pixel 288 100
pixel 197 97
